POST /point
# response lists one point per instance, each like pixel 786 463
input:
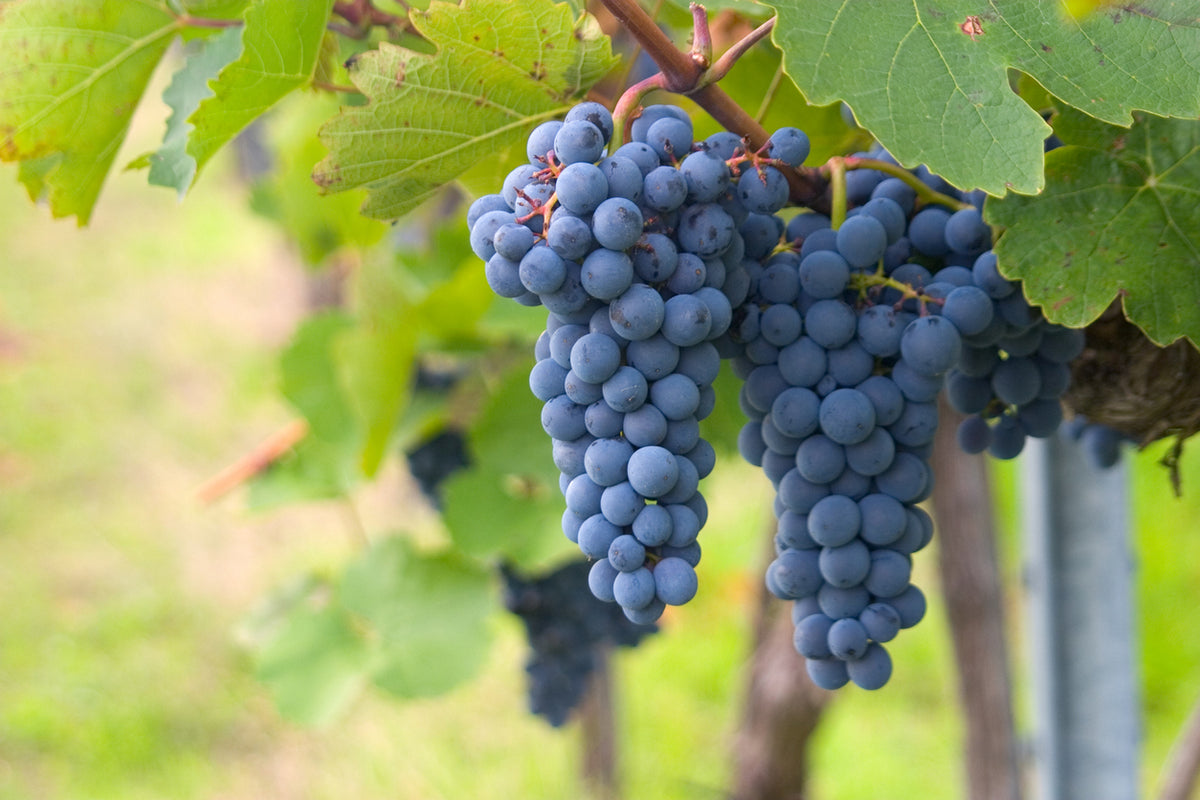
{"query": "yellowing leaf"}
pixel 71 74
pixel 500 68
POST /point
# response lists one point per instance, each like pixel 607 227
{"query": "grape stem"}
pixel 725 63
pixel 626 110
pixel 837 181
pixel 864 282
pixel 682 73
pixel 702 48
pixel 926 194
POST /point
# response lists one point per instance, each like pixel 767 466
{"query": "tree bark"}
pixel 1183 765
pixel 974 604
pixel 780 713
pixel 597 722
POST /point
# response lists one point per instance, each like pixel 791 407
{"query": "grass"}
pixel 137 358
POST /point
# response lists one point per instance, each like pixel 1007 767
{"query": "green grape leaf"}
pixel 747 83
pixel 377 358
pixel 507 502
pixel 171 165
pixel 316 665
pixel 310 377
pixel 428 612
pixel 319 225
pixel 71 74
pixel 930 80
pixel 1118 219
pixel 281 41
pixel 325 463
pixel 451 312
pixel 499 69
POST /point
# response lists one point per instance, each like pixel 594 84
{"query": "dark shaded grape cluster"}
pixel 1101 444
pixel 637 256
pixel 434 459
pixel 566 628
pixel 1013 371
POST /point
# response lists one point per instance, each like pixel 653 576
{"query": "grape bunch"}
pixel 637 258
pixel 842 372
pixel 845 342
pixel 666 255
pixel 566 628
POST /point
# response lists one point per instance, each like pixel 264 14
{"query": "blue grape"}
pixel 966 232
pixel 819 459
pixel 848 639
pixel 812 636
pixel 581 187
pixel 641 154
pixel 846 565
pixel 823 274
pixel 834 520
pixel 654 258
pixel 671 138
pixel 634 589
pixel 675 581
pixel 578 141
pixel 763 190
pixel 705 230
pixel 686 320
pixel 617 223
pixel 541 142
pixel 861 240
pixel 827 673
pixel 789 145
pixel 927 231
pixel 644 426
pixel 652 471
pixel 871 671
pixel 594 113
pixel 596 536
pixel 570 237
pixel 606 274
pixel 638 313
pixel 847 416
pixel 664 189
pixel 830 323
pixel 707 177
pixel 620 504
pixel 653 356
pixel 676 396
pixel 626 553
pixel 931 345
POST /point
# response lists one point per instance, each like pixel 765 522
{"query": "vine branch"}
pixel 363 14
pixel 682 73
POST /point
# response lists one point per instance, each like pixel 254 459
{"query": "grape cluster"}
pixel 842 372
pixel 637 258
pixel 845 341
pixel 660 258
pixel 1013 371
pixel 566 628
